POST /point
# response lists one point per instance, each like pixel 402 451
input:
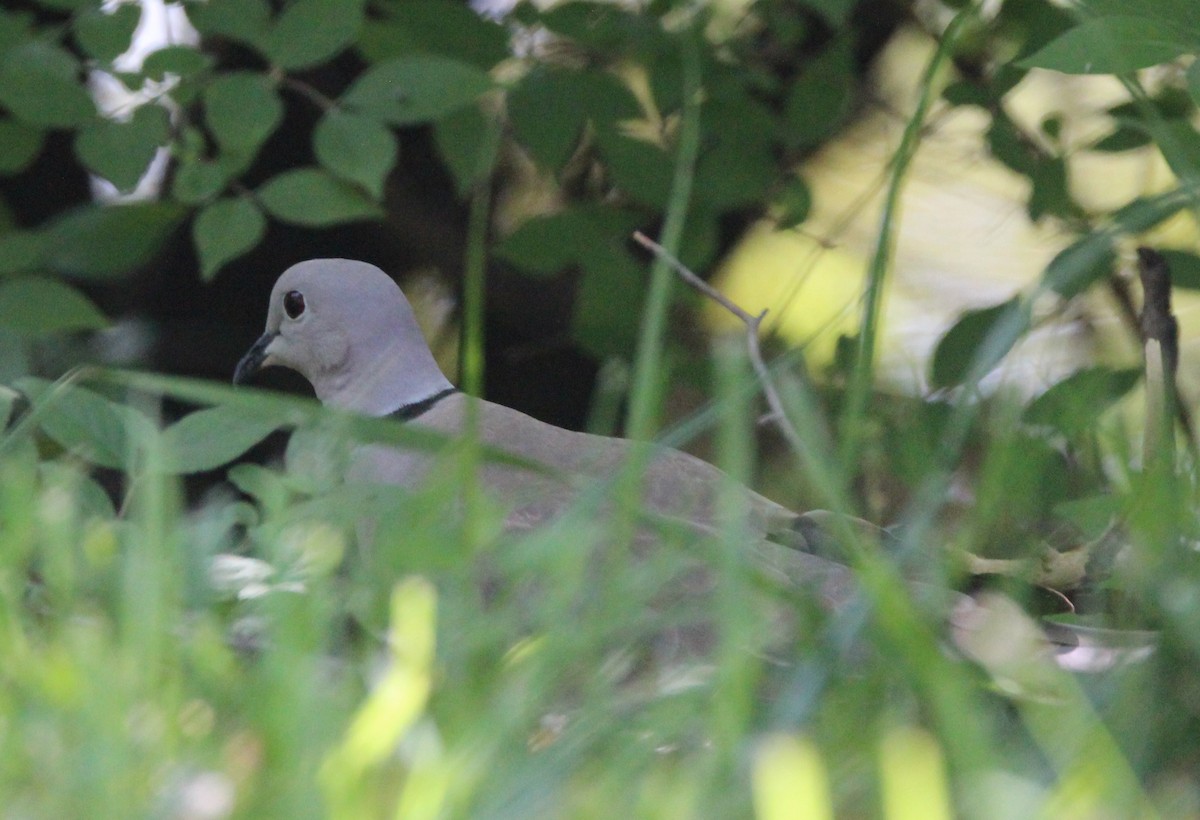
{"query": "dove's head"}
pixel 346 327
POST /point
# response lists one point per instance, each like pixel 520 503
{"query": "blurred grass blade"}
pixel 790 781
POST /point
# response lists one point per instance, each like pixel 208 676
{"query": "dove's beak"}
pixel 256 358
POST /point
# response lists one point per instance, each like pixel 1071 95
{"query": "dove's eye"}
pixel 293 304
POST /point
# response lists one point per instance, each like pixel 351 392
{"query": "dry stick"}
pixel 752 324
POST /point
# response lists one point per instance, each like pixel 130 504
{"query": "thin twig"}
pixel 752 324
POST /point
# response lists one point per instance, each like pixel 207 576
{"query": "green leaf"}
pixel 180 61
pixel 21 251
pixel 42 85
pixel 38 306
pixel 416 89
pixel 1122 138
pixel 105 241
pixel 445 27
pixel 977 342
pixel 821 98
pixel 546 245
pixel 355 148
pixel 601 26
pixel 206 439
pixel 198 180
pixel 106 35
pixel 121 151
pixel 548 110
pixel 242 110
pixel 1193 81
pixel 310 32
pixel 468 143
pixel 732 175
pixel 1078 265
pixel 1075 405
pixel 793 203
pixel 225 230
pixel 19 146
pixel 1112 45
pixel 1184 267
pixel 86 423
pixel 643 171
pixel 835 11
pixel 310 197
pixel 244 20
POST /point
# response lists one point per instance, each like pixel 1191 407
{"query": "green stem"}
pixel 862 377
pixel 646 395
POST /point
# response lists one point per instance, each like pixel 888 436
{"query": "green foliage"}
pixel 37 305
pixel 309 196
pixel 225 230
pixel 121 151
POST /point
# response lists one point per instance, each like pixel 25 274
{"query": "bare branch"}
pixel 752 323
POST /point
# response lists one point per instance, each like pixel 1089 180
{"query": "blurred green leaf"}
pixel 107 34
pixel 206 439
pixel 355 148
pixel 19 146
pixel 1080 264
pixel 416 89
pixel 105 241
pixel 196 180
pixel 121 151
pixel 1184 267
pixel 977 342
pixel 601 26
pixel 181 61
pixel 310 197
pixel 245 20
pixel 225 230
pixel 468 143
pixel 835 11
pixel 1112 45
pixel 21 251
pixel 42 85
pixel 793 203
pixel 643 171
pixel 242 110
pixel 1193 81
pixel 821 98
pixel 86 423
pixel 549 108
pixel 1122 138
pixel 310 32
pixel 37 306
pixel 445 27
pixel 546 245
pixel 1075 405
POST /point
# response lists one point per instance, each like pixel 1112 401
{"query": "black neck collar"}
pixel 408 412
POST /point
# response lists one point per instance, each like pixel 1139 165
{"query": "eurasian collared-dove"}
pixel 347 328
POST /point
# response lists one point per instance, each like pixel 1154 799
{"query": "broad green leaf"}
pixel 1079 264
pixel 730 175
pixel 198 180
pixel 1112 45
pixel 1193 81
pixel 225 230
pixel 180 61
pixel 206 439
pixel 106 35
pixel 21 251
pixel 1074 405
pixel 1184 267
pixel 548 244
pixel 468 143
pixel 310 197
pixel 977 342
pixel 642 170
pixel 445 27
pixel 416 89
pixel 310 32
pixel 1180 146
pixel 242 110
pixel 244 20
pixel 19 146
pixel 106 241
pixel 1122 138
pixel 121 151
pixel 37 306
pixel 86 423
pixel 42 85
pixel 601 26
pixel 821 98
pixel 355 148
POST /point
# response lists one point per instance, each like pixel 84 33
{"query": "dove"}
pixel 348 329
